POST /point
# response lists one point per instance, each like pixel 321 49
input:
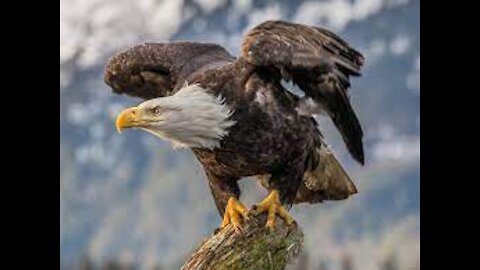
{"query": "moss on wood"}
pixel 256 249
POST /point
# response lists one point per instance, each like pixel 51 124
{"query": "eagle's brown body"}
pixel 271 139
pixel 248 150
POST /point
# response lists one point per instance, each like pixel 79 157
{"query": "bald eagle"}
pixel 238 118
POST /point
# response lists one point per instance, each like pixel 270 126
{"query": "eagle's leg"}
pixel 226 194
pixel 272 205
pixel 234 210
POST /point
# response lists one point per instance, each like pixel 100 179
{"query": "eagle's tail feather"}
pixel 327 180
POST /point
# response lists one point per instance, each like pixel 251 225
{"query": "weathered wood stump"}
pixel 256 248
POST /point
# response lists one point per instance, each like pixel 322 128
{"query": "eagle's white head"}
pixel 190 118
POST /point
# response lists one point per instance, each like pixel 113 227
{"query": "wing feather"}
pixel 158 69
pixel 319 62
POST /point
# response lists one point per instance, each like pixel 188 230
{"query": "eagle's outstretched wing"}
pixel 159 69
pixel 319 62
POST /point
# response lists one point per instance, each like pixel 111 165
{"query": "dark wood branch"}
pixel 256 248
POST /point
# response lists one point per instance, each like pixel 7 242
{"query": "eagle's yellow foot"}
pixel 271 204
pixel 233 211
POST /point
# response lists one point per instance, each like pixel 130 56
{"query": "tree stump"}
pixel 256 248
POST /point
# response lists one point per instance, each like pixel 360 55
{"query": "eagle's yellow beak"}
pixel 127 118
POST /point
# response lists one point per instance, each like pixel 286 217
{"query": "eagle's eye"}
pixel 155 110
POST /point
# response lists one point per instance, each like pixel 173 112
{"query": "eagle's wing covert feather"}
pixel 153 70
pixel 319 62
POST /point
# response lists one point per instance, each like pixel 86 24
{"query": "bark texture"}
pixel 257 248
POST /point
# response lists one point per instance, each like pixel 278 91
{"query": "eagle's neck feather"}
pixel 199 120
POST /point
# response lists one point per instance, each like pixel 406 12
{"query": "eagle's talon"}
pixel 238 230
pixel 271 204
pixel 233 211
pixel 254 210
pixel 246 215
pixel 270 225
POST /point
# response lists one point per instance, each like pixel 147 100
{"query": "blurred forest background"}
pixel 131 202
